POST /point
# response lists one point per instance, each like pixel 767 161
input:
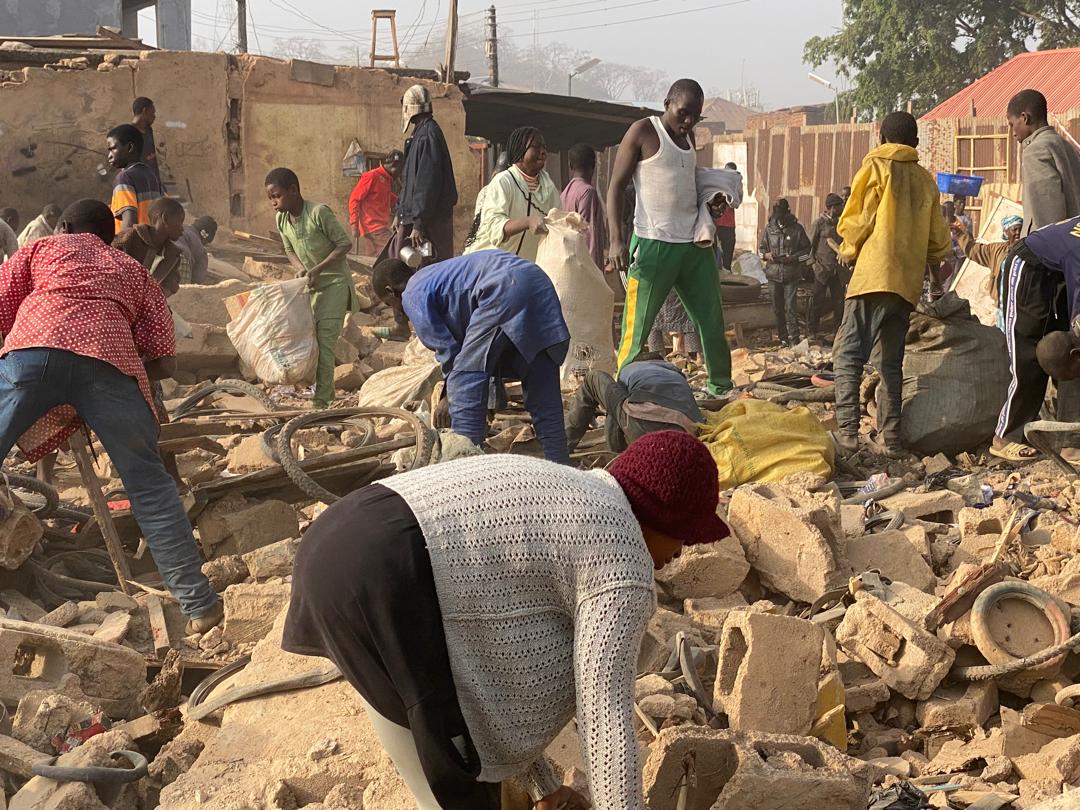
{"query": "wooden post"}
pixel 241 26
pixel 451 42
pixel 92 484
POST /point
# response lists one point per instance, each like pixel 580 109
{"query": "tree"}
pixel 924 51
pixel 299 48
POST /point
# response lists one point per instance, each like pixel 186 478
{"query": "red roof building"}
pixel 1054 73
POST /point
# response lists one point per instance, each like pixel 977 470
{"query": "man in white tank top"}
pixel 659 154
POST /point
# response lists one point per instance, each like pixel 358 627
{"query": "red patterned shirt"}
pixel 74 292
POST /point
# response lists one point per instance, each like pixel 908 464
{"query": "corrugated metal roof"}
pixel 1054 73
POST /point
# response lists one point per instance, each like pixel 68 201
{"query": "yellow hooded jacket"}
pixel 892 224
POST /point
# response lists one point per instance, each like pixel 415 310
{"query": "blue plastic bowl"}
pixel 964 185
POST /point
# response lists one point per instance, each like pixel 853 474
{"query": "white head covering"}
pixel 416 100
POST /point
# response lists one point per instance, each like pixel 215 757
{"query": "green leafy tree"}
pixel 924 51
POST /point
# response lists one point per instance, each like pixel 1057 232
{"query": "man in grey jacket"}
pixel 1031 291
pixel 1051 165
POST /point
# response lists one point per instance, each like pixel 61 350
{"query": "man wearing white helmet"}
pixel 428 190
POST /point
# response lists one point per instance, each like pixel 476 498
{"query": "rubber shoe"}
pixel 212 618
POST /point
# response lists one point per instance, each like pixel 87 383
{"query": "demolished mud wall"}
pixel 223 123
pixel 53 125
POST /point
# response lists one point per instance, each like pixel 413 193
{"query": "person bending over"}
pixel 488 601
pixel 85 329
pixel 487 316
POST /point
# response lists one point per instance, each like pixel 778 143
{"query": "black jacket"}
pixel 428 189
pixel 788 244
pixel 826 262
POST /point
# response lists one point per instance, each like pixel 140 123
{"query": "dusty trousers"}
pixel 364 596
pixel 868 318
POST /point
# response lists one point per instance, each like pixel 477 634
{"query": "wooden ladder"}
pixel 384 14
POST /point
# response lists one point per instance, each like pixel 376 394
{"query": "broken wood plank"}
pixel 1051 719
pixel 18 758
pixel 158 627
pixel 92 484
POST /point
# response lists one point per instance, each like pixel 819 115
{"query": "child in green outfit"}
pixel 316 244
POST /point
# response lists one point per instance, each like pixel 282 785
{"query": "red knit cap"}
pixel 672 484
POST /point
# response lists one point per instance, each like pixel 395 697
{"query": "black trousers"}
pixel 725 237
pixel 827 294
pixel 1034 303
pixel 363 595
pixel 868 318
pixel 785 302
pixel 597 390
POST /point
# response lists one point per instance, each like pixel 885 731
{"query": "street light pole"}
pixel 577 72
pixel 826 83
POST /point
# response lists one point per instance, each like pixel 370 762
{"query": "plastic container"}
pixel 963 185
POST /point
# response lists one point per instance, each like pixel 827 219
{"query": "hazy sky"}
pixel 719 43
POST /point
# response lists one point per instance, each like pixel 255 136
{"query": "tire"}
pixel 238 387
pixel 425 443
pixel 736 289
pixel 47 493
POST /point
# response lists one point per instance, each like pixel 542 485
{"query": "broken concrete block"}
pixel 250 610
pixel 959 707
pixel 42 715
pixel 709 613
pixel 909 659
pixel 734 771
pixel 939 506
pixel 27 608
pixel 389 354
pixel 791 537
pixel 852 519
pixel 659 634
pixel 920 539
pixel 174 759
pixel 910 602
pixel 37 657
pixel 274 560
pixel 863 690
pixel 351 376
pixel 225 571
pixel 208 350
pixel 1059 761
pixel 767 678
pixel 249 456
pixel 61 616
pixel 894 556
pixel 234 525
pixel 115 628
pixel 648 685
pixel 21 530
pixel 659 707
pixel 111 601
pixel 45 794
pixel 205 303
pixel 705 570
pixel 345 353
pixel 1066 801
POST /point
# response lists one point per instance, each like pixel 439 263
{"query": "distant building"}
pixel 721 116
pixel 40 18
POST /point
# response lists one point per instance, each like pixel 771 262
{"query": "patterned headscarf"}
pixel 1008 222
pixel 416 100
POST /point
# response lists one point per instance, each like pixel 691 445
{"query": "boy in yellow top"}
pixel 891 228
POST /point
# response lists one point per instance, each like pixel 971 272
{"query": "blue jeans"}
pixel 33 381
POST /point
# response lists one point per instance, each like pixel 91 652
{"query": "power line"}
pixel 634 20
pixel 254 30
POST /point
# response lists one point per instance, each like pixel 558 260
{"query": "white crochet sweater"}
pixel 545 586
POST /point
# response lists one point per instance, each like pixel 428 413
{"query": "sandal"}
pixel 1017 452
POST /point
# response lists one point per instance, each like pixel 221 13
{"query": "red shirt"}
pixel 371 201
pixel 726 219
pixel 74 292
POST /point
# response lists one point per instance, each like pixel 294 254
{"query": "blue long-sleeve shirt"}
pixel 1058 248
pixel 486 315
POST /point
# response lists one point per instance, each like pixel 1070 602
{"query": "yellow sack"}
pixel 753 440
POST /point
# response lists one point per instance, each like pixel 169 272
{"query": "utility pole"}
pixel 491 46
pixel 241 26
pixel 451 42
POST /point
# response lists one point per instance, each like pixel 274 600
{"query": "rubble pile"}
pixel 852 637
